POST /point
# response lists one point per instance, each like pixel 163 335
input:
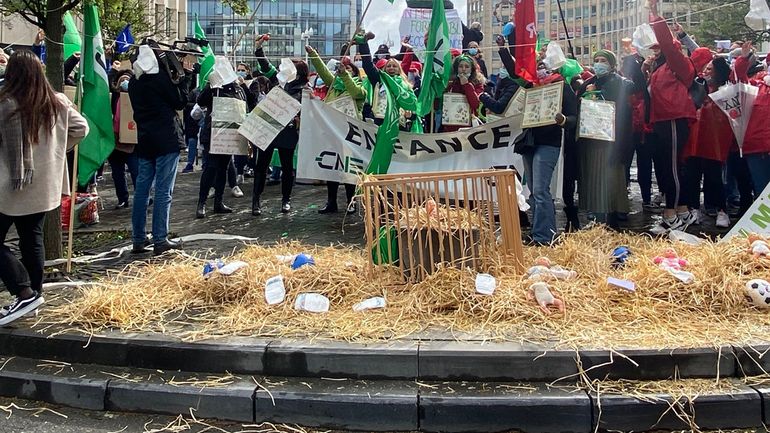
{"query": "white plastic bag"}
pixel 312 302
pixel 370 304
pixel 644 36
pixel 485 284
pixel 232 267
pixel 287 72
pixel 758 17
pixel 222 74
pixel 554 56
pixel 275 291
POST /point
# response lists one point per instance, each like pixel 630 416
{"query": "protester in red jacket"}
pixel 756 144
pixel 671 112
pixel 707 149
pixel 467 80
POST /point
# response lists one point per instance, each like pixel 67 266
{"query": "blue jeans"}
pixel 161 171
pixel 192 152
pixel 538 167
pixel 759 167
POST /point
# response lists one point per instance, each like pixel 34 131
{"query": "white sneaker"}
pixel 665 225
pixel 689 218
pixel 237 193
pixel 723 221
pixel 239 179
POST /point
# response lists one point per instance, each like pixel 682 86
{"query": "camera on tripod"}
pixel 171 56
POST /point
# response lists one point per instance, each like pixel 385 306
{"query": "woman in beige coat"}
pixel 38 126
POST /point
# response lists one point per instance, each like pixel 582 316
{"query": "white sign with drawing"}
pixel 269 117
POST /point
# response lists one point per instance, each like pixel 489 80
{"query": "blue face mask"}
pixel 503 74
pixel 242 74
pixel 602 69
pixel 124 86
pixel 473 51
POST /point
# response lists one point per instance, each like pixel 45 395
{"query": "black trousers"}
pixel 710 172
pixel 28 272
pixel 670 138
pixel 214 175
pixel 333 187
pixel 571 172
pixel 260 174
pixel 643 164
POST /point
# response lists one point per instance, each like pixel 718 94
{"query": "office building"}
pixel 591 24
pixel 332 21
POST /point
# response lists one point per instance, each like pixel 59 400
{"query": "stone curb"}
pixel 367 405
pixel 741 409
pixel 400 360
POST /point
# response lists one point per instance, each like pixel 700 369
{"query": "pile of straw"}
pixel 443 217
pixel 174 297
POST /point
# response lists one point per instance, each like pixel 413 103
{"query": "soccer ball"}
pixel 758 293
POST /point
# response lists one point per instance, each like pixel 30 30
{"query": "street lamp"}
pixel 306 37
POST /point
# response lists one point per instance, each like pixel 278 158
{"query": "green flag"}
pixel 387 133
pixel 207 63
pixel 438 59
pixel 72 40
pixel 100 141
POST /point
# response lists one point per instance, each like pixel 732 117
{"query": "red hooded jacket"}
pixel 757 138
pixel 711 137
pixel 670 83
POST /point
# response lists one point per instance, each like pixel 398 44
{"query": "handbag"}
pixel 525 142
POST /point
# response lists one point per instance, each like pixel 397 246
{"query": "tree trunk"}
pixel 54 30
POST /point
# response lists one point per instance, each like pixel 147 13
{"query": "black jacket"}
pixel 206 100
pixel 156 100
pixel 191 126
pixel 618 90
pixel 551 135
pixel 289 136
pixel 504 92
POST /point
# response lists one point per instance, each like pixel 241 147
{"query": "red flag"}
pixel 526 39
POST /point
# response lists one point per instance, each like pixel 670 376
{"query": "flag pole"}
pixel 566 31
pixel 358 26
pixel 245 29
pixel 74 182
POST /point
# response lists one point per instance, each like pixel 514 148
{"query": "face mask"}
pixel 502 74
pixel 411 76
pixel 602 69
pixel 359 64
pixel 242 74
pixel 542 74
pixel 473 51
pixel 708 78
pixel 319 82
pixel 2 71
pixel 124 86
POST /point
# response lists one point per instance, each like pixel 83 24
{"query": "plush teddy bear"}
pixel 758 293
pixel 544 269
pixel 541 293
pixel 670 262
pixel 758 246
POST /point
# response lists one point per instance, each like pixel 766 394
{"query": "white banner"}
pixel 756 219
pixel 334 147
pixel 415 24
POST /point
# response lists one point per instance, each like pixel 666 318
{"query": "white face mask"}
pixel 359 64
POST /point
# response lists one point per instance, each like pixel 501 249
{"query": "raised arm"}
pixel 678 62
pixel 320 66
pixel 366 59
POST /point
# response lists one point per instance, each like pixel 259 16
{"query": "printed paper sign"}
pixel 597 120
pixel 227 114
pixel 542 105
pixel 269 117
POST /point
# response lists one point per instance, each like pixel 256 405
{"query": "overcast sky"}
pixel 384 17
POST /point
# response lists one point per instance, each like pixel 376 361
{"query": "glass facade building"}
pixel 333 22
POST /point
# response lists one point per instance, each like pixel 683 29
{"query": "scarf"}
pixel 13 148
